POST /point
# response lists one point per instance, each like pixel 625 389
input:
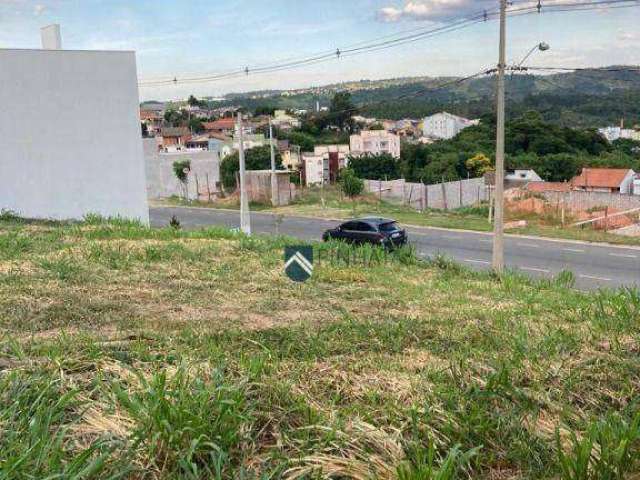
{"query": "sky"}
pixel 182 38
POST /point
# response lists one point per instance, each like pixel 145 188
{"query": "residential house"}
pixel 251 140
pixel 615 133
pixel 225 126
pixel 223 146
pixel 322 166
pixel 514 178
pixel 284 121
pixel 173 138
pixel 524 176
pixel 153 120
pixel 364 120
pixel 610 180
pixel 375 142
pixel 198 142
pixel 443 125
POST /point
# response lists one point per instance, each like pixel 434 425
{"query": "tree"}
pixel 194 102
pixel 375 167
pixel 264 110
pixel 305 141
pixel 196 125
pixel 479 164
pixel 176 118
pixel 341 110
pixel 258 158
pixel 351 185
pixel 181 169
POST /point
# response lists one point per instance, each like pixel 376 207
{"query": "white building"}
pixel 318 166
pixel 444 125
pixel 375 142
pixel 60 169
pixel 636 185
pixel 161 178
pixel 615 133
pixel 284 121
pixel 522 176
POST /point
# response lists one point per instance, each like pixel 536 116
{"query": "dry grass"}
pixel 198 342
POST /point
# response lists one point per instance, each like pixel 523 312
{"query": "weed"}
pixel 607 451
pixel 188 424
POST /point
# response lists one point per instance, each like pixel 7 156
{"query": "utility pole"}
pixel 498 225
pixel 274 186
pixel 245 220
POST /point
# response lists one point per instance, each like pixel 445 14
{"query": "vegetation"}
pixel 556 153
pixel 130 352
pixel 586 99
pixel 375 167
pixel 258 158
pixel 181 169
pixel 351 185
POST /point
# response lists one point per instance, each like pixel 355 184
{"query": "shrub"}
pixel 351 185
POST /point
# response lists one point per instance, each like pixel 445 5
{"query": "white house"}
pixel 522 176
pixel 284 121
pixel 375 142
pixel 445 125
pixel 615 133
pixel 636 184
pixel 322 166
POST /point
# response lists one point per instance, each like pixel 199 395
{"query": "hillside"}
pixel 586 99
pixel 134 353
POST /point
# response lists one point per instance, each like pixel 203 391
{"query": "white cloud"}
pixel 432 10
pixel 39 9
pixel 444 10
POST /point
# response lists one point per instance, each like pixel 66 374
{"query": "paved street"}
pixel 594 266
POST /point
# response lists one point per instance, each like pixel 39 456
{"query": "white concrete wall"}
pixel 162 181
pixel 71 135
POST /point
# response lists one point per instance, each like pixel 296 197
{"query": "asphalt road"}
pixel 594 265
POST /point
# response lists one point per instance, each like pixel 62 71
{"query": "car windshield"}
pixel 389 227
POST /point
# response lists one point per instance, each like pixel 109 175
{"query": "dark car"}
pixel 377 231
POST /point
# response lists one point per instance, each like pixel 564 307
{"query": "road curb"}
pixel 421 227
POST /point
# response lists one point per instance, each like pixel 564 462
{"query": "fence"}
pixel 203 180
pixel 446 195
pixel 577 201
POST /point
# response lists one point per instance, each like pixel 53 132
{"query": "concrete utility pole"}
pixel 498 225
pixel 274 180
pixel 245 219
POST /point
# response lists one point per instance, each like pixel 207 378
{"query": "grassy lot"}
pixel 135 353
pixel 310 203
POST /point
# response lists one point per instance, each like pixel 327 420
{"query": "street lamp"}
pixel 542 46
pixel 498 218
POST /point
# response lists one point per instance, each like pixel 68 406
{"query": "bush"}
pixel 375 167
pixel 351 185
pixel 258 158
pixel 181 169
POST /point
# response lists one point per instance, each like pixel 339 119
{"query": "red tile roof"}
pixel 600 177
pixel 548 187
pixel 222 124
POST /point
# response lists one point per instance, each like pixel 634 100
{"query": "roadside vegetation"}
pixel 128 352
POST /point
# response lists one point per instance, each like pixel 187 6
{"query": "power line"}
pixel 406 37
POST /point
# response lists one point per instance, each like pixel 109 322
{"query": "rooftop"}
pixel 601 177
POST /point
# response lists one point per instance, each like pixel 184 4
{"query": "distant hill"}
pixel 591 98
